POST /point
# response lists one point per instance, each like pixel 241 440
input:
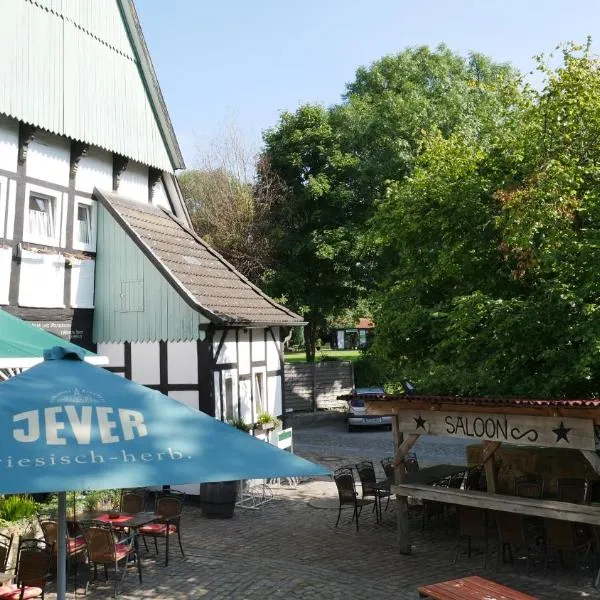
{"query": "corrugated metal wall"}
pixel 67 66
pixel 133 301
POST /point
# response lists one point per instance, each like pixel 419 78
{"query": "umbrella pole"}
pixel 61 563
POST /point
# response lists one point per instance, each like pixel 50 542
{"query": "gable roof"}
pixel 82 70
pixel 202 277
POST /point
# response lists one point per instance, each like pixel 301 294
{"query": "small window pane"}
pixel 258 389
pixel 229 398
pixel 84 224
pixel 41 216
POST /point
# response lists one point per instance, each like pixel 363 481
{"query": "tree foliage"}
pixel 495 290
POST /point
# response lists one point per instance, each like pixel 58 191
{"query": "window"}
pixel 259 393
pixel 41 218
pixel 229 416
pixel 84 224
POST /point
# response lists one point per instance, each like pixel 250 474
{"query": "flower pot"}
pixel 217 500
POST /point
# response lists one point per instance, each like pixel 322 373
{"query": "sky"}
pixel 240 63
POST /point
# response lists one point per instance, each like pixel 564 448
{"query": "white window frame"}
pixel 3 204
pixel 56 198
pixel 77 245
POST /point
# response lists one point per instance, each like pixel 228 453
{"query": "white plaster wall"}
pixel 95 170
pixel 160 197
pixel 82 283
pixel 134 182
pixel 9 143
pixel 10 209
pixel 258 345
pixel 228 352
pixel 182 362
pixel 274 387
pixel 114 352
pixel 273 352
pixel 246 401
pixel 243 352
pixel 5 265
pixel 42 280
pixel 48 158
pixel 145 366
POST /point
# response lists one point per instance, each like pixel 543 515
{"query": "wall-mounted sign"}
pixel 514 429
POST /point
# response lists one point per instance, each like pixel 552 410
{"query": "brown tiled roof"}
pixel 479 401
pixel 203 277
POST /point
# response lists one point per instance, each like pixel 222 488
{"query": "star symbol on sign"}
pixel 420 421
pixel 561 432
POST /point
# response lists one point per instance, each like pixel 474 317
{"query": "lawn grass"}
pixel 300 357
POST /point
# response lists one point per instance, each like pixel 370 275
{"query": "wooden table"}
pixel 471 588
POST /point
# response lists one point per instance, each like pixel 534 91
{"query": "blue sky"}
pixel 245 61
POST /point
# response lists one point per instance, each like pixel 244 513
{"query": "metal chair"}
pixel 104 549
pixel 511 534
pixel 573 489
pixel 529 486
pixel 370 488
pixel 132 501
pixel 168 522
pixel 387 464
pixel 32 570
pixel 6 542
pixel 475 479
pixel 75 545
pixel 347 494
pixel 472 523
pixel 563 537
pixel 411 464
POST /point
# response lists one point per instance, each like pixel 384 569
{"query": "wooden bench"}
pixel 471 588
pixel 552 509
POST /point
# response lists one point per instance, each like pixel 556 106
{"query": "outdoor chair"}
pixel 511 535
pixel 387 464
pixel 75 545
pixel 411 464
pixel 472 523
pixel 475 479
pixel 168 522
pixel 32 571
pixel 104 549
pixel 347 494
pixel 529 486
pixel 572 489
pixel 563 537
pixel 368 481
pixel 132 501
pixel 5 546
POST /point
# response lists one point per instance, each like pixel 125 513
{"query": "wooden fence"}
pixel 316 386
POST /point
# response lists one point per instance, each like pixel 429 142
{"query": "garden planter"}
pixel 217 500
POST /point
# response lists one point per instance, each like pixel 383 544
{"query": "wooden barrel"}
pixel 217 500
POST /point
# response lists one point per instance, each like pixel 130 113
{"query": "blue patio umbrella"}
pixel 67 425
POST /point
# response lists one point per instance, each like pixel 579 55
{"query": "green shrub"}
pixel 16 508
pixel 240 424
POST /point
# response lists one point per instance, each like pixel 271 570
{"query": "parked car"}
pixel 355 417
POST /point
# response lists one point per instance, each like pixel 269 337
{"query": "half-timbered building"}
pixel 96 244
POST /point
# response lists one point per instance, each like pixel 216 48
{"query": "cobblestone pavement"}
pixel 289 548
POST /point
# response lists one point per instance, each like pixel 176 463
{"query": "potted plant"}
pixel 240 424
pixel 266 422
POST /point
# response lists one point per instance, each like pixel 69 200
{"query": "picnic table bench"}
pixel 471 588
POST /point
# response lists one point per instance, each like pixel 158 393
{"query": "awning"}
pixel 22 345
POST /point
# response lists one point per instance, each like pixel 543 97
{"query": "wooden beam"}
pixel 593 458
pixel 552 509
pixel 489 464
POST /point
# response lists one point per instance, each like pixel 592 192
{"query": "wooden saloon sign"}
pixel 525 430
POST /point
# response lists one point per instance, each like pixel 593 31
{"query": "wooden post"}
pixel 401 447
pixel 489 464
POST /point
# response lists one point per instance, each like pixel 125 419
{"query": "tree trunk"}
pixel 310 339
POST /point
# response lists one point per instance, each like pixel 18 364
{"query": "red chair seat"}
pixel 121 550
pixel 157 529
pixel 75 544
pixel 13 592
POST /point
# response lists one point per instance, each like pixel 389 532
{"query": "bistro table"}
pixel 426 476
pixel 119 520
